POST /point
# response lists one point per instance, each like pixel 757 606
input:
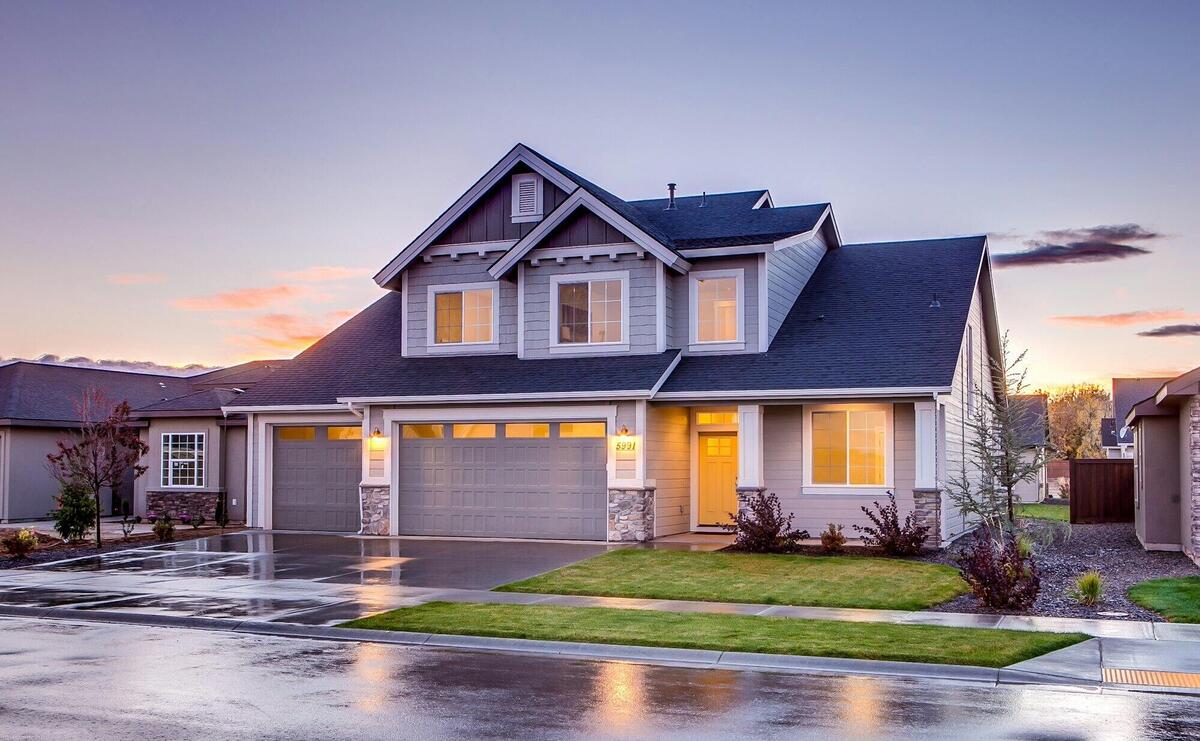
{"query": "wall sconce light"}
pixel 623 432
pixel 377 439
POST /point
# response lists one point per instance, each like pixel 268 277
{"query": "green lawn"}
pixel 1054 512
pixel 1178 600
pixel 925 643
pixel 827 581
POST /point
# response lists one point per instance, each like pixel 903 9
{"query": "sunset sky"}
pixel 213 182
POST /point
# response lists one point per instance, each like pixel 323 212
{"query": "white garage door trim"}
pixel 264 433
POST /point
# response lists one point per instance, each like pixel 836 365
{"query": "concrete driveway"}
pixel 287 577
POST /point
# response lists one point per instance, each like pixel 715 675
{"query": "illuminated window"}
pixel 183 459
pixel 716 418
pixel 297 434
pixel 581 429
pixel 527 429
pixel 343 433
pixel 463 317
pixel 474 430
pixel 421 432
pixel 590 312
pixel 716 302
pixel 849 447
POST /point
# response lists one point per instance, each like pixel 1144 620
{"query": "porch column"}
pixel 750 479
pixel 927 497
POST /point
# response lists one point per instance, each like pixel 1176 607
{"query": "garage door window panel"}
pixel 474 431
pixel 422 432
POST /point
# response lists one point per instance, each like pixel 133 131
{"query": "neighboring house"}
pixel 1115 435
pixel 551 361
pixel 1166 434
pixel 1034 437
pixel 37 409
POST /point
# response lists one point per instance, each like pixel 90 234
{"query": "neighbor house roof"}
pixel 1034 412
pixel 209 400
pixel 1108 432
pixel 41 392
pixel 361 358
pixel 1166 396
pixel 863 321
pixel 1125 393
pixel 237 376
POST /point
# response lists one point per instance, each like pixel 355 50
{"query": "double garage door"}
pixel 510 480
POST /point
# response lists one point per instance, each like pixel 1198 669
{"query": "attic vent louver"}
pixel 526 197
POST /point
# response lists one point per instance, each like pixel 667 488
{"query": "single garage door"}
pixel 314 478
pixel 510 480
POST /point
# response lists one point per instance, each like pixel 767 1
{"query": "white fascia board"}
pixel 795 239
pixel 472 398
pixel 801 394
pixel 339 407
pixel 581 198
pixel 764 200
pixel 666 374
pixel 740 249
pixel 517 154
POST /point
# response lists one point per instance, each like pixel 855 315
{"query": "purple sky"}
pixel 216 181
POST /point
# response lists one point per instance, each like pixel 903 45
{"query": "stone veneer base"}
pixel 927 510
pixel 630 515
pixel 376 509
pixel 178 503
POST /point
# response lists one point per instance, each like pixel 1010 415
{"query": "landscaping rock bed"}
pixel 1063 552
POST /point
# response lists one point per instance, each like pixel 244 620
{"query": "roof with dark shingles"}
pixel 48 393
pixel 1033 411
pixel 1108 432
pixel 362 358
pixel 205 400
pixel 237 376
pixel 1125 393
pixel 863 321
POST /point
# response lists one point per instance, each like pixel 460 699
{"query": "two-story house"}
pixel 551 361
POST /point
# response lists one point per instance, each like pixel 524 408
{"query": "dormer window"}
pixel 717 305
pixel 526 197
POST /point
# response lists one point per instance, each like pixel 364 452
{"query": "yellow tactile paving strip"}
pixel 1151 678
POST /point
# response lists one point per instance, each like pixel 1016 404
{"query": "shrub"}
pixel 1001 574
pixel 76 513
pixel 164 528
pixel 128 524
pixel 762 528
pixel 221 516
pixel 20 543
pixel 832 540
pixel 197 522
pixel 888 533
pixel 1088 588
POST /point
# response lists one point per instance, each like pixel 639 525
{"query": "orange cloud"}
pixel 285 333
pixel 1123 319
pixel 322 273
pixel 243 298
pixel 135 279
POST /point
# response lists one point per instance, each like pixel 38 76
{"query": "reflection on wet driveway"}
pixel 289 577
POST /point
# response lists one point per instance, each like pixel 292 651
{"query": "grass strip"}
pixel 1176 599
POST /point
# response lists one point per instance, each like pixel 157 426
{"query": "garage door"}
pixel 314 478
pixel 513 480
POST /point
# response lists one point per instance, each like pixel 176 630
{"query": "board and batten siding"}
pixel 442 271
pixel 667 464
pixel 680 288
pixel 788 271
pixel 583 228
pixel 954 415
pixel 490 219
pixel 540 300
pixel 783 472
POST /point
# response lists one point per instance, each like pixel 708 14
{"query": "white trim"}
pixel 164 471
pixel 801 394
pixel 577 199
pixel 260 483
pixel 750 446
pixel 795 239
pixel 740 249
pixel 514 210
pixel 639 431
pixel 889 450
pixel 461 347
pixel 764 200
pixel 339 407
pixel 694 277
pixel 763 300
pixel 628 395
pixel 588 252
pixel 404 297
pixel 694 430
pixel 588 347
pixel 521 310
pixel 454 251
pixel 519 153
pixel 925 433
pixel 660 307
pixel 666 374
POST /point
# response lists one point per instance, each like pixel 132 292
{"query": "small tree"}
pixel 1075 414
pixel 105 451
pixel 995 445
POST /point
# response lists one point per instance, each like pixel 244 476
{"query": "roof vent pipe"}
pixel 670 196
pixel 703 198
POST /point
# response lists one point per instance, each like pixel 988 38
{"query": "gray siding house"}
pixel 548 360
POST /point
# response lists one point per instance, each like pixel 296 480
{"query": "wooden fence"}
pixel 1101 490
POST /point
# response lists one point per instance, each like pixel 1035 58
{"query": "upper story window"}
pixel 183 459
pixel 849 445
pixel 463 315
pixel 526 197
pixel 716 303
pixel 591 309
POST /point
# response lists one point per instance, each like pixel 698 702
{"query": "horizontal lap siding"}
pixel 668 464
pixel 470 268
pixel 787 273
pixel 539 299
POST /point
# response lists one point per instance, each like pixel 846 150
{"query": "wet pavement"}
pixel 86 680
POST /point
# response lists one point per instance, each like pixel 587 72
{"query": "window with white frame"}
pixel 183 459
pixel 526 197
pixel 716 298
pixel 848 446
pixel 591 311
pixel 463 315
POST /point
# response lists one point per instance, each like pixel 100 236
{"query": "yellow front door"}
pixel 718 478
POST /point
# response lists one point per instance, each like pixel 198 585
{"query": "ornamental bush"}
pixel 888 533
pixel 1088 588
pixel 164 528
pixel 762 528
pixel 1001 573
pixel 832 540
pixel 76 513
pixel 20 543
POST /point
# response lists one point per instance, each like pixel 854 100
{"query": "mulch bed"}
pixel 1063 552
pixel 53 549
